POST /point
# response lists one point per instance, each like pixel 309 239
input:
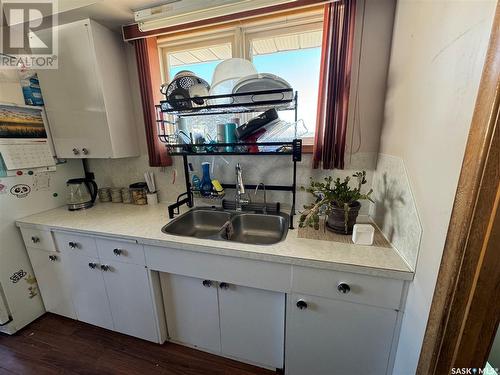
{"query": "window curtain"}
pixel 148 68
pixel 335 78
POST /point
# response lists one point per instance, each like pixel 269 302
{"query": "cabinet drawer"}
pixel 121 251
pixel 38 239
pixel 370 290
pixel 76 243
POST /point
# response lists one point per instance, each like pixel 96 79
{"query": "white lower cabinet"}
pixel 88 291
pixel 192 311
pixel 81 283
pixel 236 321
pixel 50 268
pixel 252 323
pixel 130 299
pixel 335 337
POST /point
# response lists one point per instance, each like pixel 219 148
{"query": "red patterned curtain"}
pixel 148 67
pixel 335 78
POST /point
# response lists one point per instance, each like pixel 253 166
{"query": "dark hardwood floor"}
pixel 56 345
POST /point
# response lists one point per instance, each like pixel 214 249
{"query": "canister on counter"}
pixel 116 195
pixel 104 194
pixel 126 195
pixel 138 191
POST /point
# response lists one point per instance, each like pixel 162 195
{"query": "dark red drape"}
pixel 148 68
pixel 335 78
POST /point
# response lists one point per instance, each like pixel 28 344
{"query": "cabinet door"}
pixel 252 324
pixel 192 311
pixel 130 299
pixel 49 268
pixel 336 337
pixel 88 292
pixel 73 96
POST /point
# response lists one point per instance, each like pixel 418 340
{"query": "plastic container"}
pixel 206 181
pixel 116 195
pixel 227 73
pixel 138 191
pixel 362 234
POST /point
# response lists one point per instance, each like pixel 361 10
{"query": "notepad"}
pixel 27 155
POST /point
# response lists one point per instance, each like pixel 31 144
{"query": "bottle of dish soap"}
pixel 206 181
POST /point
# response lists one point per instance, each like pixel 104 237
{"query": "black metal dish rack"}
pixel 257 101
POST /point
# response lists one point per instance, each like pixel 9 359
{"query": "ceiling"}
pixel 111 13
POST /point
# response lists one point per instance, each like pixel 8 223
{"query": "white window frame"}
pixel 240 37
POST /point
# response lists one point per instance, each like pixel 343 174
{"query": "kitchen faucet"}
pixel 264 210
pixel 240 189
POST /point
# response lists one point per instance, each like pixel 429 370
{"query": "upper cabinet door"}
pixel 192 311
pixel 252 324
pixel 82 122
pixel 325 337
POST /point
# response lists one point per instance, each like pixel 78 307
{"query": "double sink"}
pixel 225 225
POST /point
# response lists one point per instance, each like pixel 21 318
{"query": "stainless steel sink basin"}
pixel 259 229
pixel 217 224
pixel 198 223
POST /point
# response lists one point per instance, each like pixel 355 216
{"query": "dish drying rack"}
pixel 248 102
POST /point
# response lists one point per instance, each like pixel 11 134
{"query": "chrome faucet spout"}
pixel 264 210
pixel 240 189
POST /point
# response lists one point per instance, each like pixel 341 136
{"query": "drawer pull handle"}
pixel 117 252
pixel 224 286
pixel 35 239
pixel 343 288
pixel 105 267
pixel 301 304
pixel 207 283
pixel 93 265
pixel 73 245
pixel 52 258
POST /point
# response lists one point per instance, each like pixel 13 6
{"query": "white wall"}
pixel 437 56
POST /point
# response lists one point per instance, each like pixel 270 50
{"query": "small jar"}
pixel 126 195
pixel 138 192
pixel 116 195
pixel 104 195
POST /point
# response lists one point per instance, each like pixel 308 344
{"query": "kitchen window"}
pixel 289 47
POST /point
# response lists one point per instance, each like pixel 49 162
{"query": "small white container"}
pixel 362 234
pixel 152 198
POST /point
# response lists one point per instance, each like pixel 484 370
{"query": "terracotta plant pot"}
pixel 336 221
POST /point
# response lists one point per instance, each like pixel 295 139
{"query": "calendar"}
pixel 24 140
pixel 27 155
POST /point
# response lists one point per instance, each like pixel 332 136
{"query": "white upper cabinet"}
pixel 87 98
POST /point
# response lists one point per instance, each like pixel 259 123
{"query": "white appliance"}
pixel 23 192
pixel 177 12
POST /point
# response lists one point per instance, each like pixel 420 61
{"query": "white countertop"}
pixel 144 223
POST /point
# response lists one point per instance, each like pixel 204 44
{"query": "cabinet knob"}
pixel 76 151
pixel 224 285
pixel 117 252
pixel 35 239
pixel 301 304
pixel 105 267
pixel 343 288
pixel 73 245
pixel 85 151
pixel 93 265
pixel 52 258
pixel 207 283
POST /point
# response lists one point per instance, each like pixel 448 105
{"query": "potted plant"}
pixel 339 203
